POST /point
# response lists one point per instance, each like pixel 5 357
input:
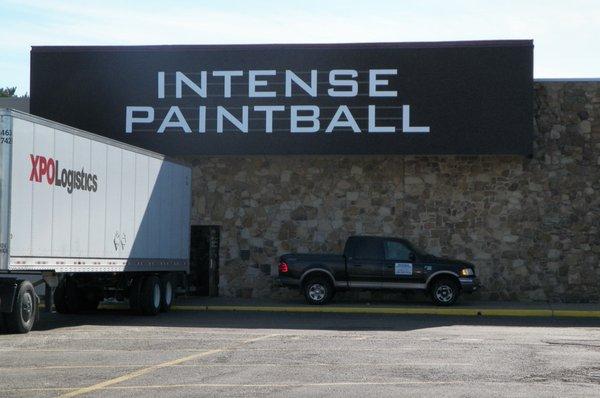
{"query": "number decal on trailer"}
pixel 6 136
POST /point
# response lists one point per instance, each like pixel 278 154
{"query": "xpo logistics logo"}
pixel 70 179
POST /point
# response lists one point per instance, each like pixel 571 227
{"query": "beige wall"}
pixel 530 225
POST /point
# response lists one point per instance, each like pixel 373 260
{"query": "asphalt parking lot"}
pixel 118 354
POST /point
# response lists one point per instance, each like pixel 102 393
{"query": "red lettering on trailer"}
pixel 51 171
pixel 69 179
pixel 40 167
pixel 34 168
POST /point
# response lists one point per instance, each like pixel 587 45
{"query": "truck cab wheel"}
pixel 444 292
pixel 22 318
pixel 166 293
pixel 150 296
pixel 318 291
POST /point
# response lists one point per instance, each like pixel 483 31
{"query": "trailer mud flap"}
pixel 8 289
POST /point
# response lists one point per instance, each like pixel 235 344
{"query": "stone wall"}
pixel 531 226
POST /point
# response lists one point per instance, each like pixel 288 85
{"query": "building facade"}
pixel 531 225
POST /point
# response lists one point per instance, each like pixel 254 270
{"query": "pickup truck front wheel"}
pixel 445 291
pixel 318 291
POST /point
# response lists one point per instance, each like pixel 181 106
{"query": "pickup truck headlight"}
pixel 467 272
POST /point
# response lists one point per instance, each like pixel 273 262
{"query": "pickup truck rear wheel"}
pixel 318 290
pixel 444 291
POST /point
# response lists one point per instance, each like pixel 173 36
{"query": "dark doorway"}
pixel 204 260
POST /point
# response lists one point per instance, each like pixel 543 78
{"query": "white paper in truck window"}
pixel 403 269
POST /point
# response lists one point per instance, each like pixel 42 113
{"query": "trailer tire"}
pixel 73 296
pixel 135 294
pixel 22 318
pixel 89 302
pixel 150 296
pixel 60 298
pixel 166 292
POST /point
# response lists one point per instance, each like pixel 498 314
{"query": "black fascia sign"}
pixel 463 98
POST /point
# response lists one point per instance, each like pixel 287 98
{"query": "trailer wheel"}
pixel 22 318
pixel 60 298
pixel 73 296
pixel 150 297
pixel 135 294
pixel 89 301
pixel 166 292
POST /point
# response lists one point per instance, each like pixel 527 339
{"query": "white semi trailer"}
pixel 95 217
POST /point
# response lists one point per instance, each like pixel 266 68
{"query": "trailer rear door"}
pixel 5 154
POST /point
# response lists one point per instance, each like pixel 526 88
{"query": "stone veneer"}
pixel 531 226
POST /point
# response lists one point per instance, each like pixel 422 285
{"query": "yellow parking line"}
pixel 137 373
pixel 140 372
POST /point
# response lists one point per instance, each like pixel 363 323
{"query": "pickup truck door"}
pixel 401 268
pixel 365 263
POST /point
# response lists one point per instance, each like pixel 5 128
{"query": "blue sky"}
pixel 566 33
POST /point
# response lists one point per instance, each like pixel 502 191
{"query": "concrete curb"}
pixel 544 313
pixel 397 311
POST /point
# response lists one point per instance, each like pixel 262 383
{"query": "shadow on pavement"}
pixel 313 321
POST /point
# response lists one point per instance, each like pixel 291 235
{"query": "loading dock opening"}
pixel 204 260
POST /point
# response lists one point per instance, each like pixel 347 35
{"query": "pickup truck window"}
pixel 396 251
pixel 368 249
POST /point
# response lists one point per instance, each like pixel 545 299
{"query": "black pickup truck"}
pixel 372 262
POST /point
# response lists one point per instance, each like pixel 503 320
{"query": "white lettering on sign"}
pixel 374 82
pixel 403 269
pixel 227 75
pixel 269 109
pixel 147 116
pixel 312 119
pixel 255 82
pixel 349 122
pixel 336 81
pixel 262 88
